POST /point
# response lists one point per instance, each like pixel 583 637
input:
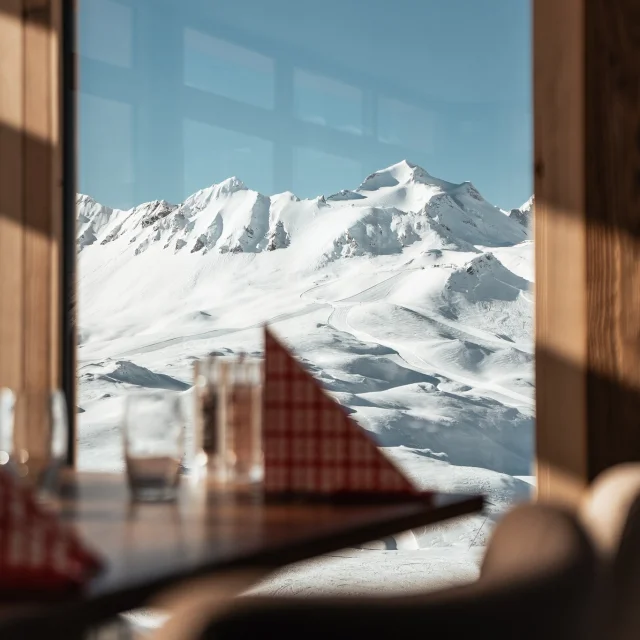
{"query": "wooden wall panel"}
pixel 561 329
pixel 30 202
pixel 612 188
pixel 11 193
pixel 587 185
pixel 56 193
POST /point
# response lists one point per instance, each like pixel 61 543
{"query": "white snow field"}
pixel 408 297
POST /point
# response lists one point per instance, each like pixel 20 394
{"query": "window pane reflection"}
pixel 106 32
pixel 106 147
pixel 327 102
pixel 338 173
pixel 213 154
pixel 228 70
pixel 405 125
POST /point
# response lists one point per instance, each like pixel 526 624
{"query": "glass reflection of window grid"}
pixel 337 172
pixel 213 154
pixel 106 32
pixel 405 125
pixel 106 146
pixel 228 70
pixel 327 102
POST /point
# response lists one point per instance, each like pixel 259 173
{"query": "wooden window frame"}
pixel 37 203
pixel 586 61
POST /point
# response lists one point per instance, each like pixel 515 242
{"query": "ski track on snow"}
pixel 213 333
pixel 338 319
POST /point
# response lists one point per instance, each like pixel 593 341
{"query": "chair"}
pixel 537 581
pixel 610 512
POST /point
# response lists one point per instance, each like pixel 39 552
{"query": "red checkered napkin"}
pixel 311 445
pixel 37 553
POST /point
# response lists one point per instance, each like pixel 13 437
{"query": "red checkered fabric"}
pixel 37 553
pixel 311 445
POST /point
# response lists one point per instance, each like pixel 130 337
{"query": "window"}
pixel 228 70
pixel 327 102
pixel 405 125
pixel 382 151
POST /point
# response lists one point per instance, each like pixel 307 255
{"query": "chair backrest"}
pixel 542 561
pixel 537 581
pixel 610 511
pixel 605 507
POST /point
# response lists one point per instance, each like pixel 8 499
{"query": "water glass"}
pixel 34 432
pixel 228 413
pixel 241 403
pixel 153 433
pixel 209 438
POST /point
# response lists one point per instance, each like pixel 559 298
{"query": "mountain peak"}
pixel 285 195
pixel 524 214
pixel 91 208
pixel 469 189
pixel 404 165
pixel 402 172
pixel 528 205
pixel 156 204
pixel 346 194
pixel 229 186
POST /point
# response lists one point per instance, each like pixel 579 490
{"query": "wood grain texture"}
pixel 30 202
pixel 11 193
pixel 587 184
pixel 56 195
pixel 38 218
pixel 612 188
pixel 561 328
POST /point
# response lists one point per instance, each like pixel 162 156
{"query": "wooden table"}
pixel 149 547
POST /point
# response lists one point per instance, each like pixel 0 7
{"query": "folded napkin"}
pixel 37 552
pixel 311 446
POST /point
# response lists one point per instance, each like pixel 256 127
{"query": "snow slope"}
pixel 407 296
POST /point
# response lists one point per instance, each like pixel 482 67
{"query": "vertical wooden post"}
pixel 587 185
pixel 560 239
pixel 612 192
pixel 31 202
pixel 12 34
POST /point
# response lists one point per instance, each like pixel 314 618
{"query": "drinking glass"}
pixel 241 405
pixel 34 431
pixel 210 435
pixel 153 432
pixel 228 413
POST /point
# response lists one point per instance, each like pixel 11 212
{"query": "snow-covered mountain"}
pixel 524 214
pixel 391 210
pixel 407 296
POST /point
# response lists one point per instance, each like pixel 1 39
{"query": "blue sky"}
pixel 303 96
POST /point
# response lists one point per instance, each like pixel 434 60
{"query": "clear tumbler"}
pixel 229 419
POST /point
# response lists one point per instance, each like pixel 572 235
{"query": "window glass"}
pixel 210 152
pixel 106 149
pixel 113 45
pixel 228 70
pixel 405 125
pixel 355 173
pixel 326 102
pixel 337 171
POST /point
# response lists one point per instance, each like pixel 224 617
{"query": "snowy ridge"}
pixel 390 209
pixel 408 297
